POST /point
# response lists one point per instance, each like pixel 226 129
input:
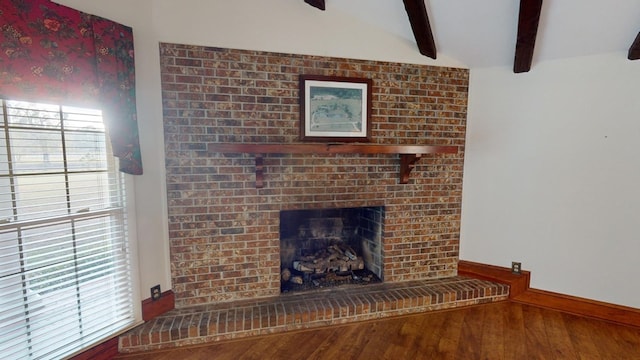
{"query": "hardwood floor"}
pixel 503 330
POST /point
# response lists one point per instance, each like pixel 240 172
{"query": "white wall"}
pixel 289 26
pixel 551 167
pixel 150 189
pixel 552 175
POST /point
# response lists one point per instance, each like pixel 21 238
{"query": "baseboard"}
pixel 106 350
pixel 153 308
pixel 618 314
pixel 150 309
pixel 518 283
pixel 520 292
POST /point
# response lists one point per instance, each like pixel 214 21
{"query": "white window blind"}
pixel 64 256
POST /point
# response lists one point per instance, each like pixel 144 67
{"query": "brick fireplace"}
pixel 224 232
pixel 226 251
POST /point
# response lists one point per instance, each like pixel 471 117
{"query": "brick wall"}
pixel 224 232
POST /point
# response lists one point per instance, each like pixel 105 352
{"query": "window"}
pixel 65 278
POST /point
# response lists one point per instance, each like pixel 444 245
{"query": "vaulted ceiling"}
pixel 484 33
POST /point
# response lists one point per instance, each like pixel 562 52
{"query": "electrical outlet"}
pixel 155 292
pixel 516 267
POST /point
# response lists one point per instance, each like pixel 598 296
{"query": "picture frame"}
pixel 335 109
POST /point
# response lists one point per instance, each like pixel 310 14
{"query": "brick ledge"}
pixel 215 322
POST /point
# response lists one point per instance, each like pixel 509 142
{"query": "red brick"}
pixel 251 96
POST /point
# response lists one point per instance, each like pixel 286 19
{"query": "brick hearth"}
pixel 214 322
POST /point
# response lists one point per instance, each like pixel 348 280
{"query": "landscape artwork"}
pixel 334 109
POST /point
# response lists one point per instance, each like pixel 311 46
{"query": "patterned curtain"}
pixel 52 53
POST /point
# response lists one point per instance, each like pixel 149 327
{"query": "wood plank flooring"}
pixel 503 330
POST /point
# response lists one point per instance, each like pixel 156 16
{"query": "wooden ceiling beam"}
pixel 634 50
pixel 417 12
pixel 316 3
pixel 528 20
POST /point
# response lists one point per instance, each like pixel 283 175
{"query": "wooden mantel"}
pixel 409 154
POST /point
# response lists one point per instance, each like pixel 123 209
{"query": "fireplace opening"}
pixel 322 248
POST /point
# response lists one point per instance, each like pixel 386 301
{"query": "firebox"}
pixel 321 248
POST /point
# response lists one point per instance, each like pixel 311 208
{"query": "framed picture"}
pixel 335 109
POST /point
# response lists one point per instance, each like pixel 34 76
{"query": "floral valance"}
pixel 57 54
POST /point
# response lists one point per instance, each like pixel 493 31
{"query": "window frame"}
pixel 126 211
